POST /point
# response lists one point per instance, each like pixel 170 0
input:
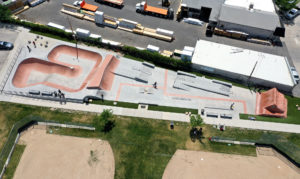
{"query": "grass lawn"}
pixel 172 109
pixel 119 104
pixel 150 107
pixel 14 161
pixel 293 115
pixel 142 147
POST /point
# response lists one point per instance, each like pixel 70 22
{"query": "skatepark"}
pixel 90 73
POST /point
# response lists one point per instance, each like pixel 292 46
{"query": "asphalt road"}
pixel 185 34
pixel 292 41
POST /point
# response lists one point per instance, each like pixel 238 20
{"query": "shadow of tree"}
pixel 196 134
pixel 108 126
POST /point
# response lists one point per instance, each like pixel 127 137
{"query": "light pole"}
pixel 74 36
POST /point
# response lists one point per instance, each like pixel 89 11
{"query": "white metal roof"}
pixel 242 61
pixel 263 5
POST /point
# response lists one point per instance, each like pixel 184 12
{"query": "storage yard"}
pixel 185 34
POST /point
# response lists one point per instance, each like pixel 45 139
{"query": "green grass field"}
pixel 172 109
pixel 14 161
pixel 293 114
pixel 118 104
pixel 142 147
pixel 150 107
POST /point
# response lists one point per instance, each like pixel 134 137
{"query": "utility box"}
pixel 152 48
pixel 186 55
pixel 82 33
pixel 95 36
pixel 127 23
pixel 99 17
pixel 51 24
pixel 187 48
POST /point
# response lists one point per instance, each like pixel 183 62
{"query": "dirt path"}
pixel 53 156
pixel 196 164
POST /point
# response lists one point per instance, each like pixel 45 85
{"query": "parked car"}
pixel 77 3
pixel 292 13
pixel 6 45
pixel 295 74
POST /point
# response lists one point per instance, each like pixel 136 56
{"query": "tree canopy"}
pixel 286 5
pixel 4 13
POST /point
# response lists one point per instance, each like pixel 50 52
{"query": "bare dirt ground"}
pixel 196 164
pixel 53 156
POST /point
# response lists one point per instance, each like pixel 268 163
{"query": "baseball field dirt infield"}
pixel 55 156
pixel 196 164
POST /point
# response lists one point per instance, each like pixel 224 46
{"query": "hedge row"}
pixel 157 58
pixel 42 28
pixel 153 57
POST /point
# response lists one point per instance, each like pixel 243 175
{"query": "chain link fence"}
pixel 277 142
pixel 22 125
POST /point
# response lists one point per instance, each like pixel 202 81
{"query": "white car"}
pixel 295 74
pixel 77 3
pixel 292 13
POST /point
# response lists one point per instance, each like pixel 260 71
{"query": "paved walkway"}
pixel 257 125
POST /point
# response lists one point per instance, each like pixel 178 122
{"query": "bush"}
pixel 103 123
pixel 286 5
pixel 196 120
pixel 4 13
pixel 157 58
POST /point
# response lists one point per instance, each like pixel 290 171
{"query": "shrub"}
pixel 104 122
pixel 286 5
pixel 196 120
pixel 157 58
pixel 4 13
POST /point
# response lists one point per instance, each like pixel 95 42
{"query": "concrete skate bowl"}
pixel 104 76
pixel 63 70
pixel 25 68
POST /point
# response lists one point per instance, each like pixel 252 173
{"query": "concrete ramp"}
pixel 104 75
pixel 187 81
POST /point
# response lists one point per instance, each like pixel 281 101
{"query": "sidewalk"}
pixel 255 125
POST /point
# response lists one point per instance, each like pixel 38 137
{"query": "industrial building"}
pixel 256 18
pixel 244 65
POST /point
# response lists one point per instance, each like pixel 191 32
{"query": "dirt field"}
pixel 53 156
pixel 195 164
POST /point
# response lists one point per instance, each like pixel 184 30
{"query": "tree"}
pixel 196 120
pixel 104 122
pixel 286 5
pixel 4 13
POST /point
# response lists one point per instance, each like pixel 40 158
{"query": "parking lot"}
pixel 8 34
pixel 185 34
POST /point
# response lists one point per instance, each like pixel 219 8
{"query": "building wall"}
pixel 252 31
pixel 242 78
